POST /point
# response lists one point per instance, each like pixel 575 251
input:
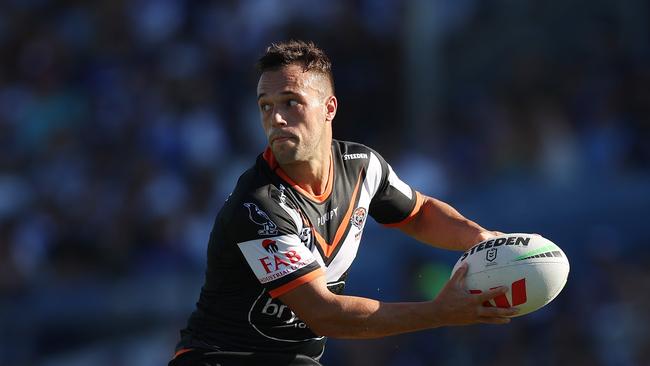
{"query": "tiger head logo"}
pixel 358 217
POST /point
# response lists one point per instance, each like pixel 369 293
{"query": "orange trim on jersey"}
pixel 419 201
pixel 270 158
pixel 297 282
pixel 181 351
pixel 328 248
pixel 320 198
pixel 321 242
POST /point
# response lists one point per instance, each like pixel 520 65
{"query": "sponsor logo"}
pixel 260 218
pixel 274 258
pixel 281 312
pixel 491 254
pixel 280 263
pixel 270 246
pixel 328 216
pixel 355 156
pixel 518 291
pixel 358 217
pixel 493 243
pixel 273 319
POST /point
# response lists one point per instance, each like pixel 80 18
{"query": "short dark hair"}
pixel 307 54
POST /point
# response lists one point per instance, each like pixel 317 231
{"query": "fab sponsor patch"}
pixel 276 257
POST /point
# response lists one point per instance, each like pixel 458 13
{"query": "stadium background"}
pixel 124 125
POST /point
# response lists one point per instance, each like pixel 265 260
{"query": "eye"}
pixel 292 102
pixel 265 107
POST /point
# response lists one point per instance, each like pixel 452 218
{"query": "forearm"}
pixel 341 316
pixel 442 226
pixel 362 318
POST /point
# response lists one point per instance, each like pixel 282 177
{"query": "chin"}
pixel 285 156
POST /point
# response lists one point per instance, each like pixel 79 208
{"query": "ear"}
pixel 331 105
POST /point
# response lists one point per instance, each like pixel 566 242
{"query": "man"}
pixel 283 243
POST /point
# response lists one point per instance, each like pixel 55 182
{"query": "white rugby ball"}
pixel 531 266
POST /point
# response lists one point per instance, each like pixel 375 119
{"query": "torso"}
pixel 271 236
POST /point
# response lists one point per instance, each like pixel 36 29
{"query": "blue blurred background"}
pixel 125 124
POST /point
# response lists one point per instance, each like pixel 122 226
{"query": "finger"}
pixel 459 275
pixel 497 312
pixel 491 294
pixel 493 320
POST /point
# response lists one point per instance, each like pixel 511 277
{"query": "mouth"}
pixel 282 138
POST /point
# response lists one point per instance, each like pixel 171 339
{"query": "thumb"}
pixel 459 275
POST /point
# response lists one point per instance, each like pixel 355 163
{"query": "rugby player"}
pixel 283 243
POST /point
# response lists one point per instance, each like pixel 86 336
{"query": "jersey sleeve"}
pixel 395 202
pixel 267 236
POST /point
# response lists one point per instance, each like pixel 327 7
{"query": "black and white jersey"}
pixel 271 236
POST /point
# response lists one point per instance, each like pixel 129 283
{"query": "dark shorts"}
pixel 198 357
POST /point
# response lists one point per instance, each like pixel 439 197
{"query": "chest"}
pixel 333 228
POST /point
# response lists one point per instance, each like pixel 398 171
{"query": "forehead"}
pixel 288 78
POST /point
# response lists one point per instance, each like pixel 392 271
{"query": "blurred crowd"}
pixel 125 124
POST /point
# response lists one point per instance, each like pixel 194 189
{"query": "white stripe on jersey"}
pixel 299 226
pixel 294 215
pixel 350 245
pixel 394 181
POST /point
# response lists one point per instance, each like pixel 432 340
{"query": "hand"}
pixel 455 306
pixel 485 235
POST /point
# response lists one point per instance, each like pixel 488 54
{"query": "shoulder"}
pixel 356 151
pixel 362 156
pixel 257 207
pixel 352 150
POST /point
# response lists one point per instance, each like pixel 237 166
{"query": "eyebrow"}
pixel 281 93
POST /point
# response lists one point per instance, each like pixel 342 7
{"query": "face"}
pixel 296 108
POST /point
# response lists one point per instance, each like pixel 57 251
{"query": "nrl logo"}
pixel 260 218
pixel 491 254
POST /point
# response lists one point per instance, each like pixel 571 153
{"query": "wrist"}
pixel 482 235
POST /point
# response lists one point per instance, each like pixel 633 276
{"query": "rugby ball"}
pixel 531 266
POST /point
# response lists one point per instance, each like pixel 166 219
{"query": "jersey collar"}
pixel 275 167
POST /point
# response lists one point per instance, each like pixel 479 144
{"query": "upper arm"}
pixel 312 302
pixel 395 202
pixel 412 226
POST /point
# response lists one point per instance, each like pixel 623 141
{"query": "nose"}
pixel 277 119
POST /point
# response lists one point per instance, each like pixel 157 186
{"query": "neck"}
pixel 312 177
